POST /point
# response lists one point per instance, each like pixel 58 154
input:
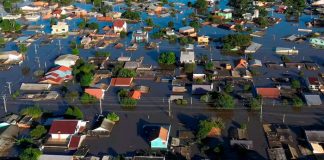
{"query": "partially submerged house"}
pixel 11 57
pixel 57 75
pixel 119 26
pixel 66 60
pixel 105 128
pixel 201 88
pixel 316 139
pixel 95 92
pixel 317 41
pixel 135 94
pixel 253 47
pixel 140 36
pixel 313 83
pixel 62 130
pixel 188 30
pixel 312 99
pixel 272 93
pixel 121 82
pixel 159 139
pixel 60 28
pixel 187 54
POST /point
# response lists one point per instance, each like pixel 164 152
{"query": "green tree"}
pixel 33 111
pixel 195 24
pixel 82 24
pixel 75 51
pixel 24 142
pixel 73 112
pixel 30 154
pixel 229 88
pixel 86 80
pixel 38 132
pixel 128 102
pixel 126 73
pixel 22 48
pixel 88 99
pixel 297 102
pixel 254 103
pixel 53 21
pixel 205 127
pixel 189 67
pixel 168 58
pixel 102 54
pixel 171 24
pixel 93 26
pixel 123 93
pixel 71 96
pixel 201 5
pixel 295 84
pixel 224 100
pixel 206 98
pixel 113 117
pixel 128 14
pixel 122 34
pixel 233 40
pixel 149 22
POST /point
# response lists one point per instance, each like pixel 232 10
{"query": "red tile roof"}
pixel 58 11
pixel 61 68
pixel 122 82
pixel 96 92
pixel 268 92
pixel 119 23
pixel 74 142
pixel 163 134
pixel 135 95
pixel 63 127
pixel 242 64
pixel 313 81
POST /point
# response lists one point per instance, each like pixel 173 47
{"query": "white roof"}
pixel 34 86
pixel 313 99
pixel 66 60
pixel 55 157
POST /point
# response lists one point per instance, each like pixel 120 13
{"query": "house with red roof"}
pixel 119 26
pixel 242 63
pixel 57 75
pixel 121 82
pixel 63 130
pixel 95 92
pixel 75 141
pixel 159 140
pixel 272 93
pixel 135 95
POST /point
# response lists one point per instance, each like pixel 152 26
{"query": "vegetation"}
pixel 122 34
pixel 168 58
pixel 9 25
pixel 201 5
pixel 73 112
pixel 295 84
pixel 297 102
pixel 33 111
pixel 194 24
pixel 206 98
pixel 30 154
pixel 131 15
pixel 25 142
pixel 224 100
pixel 246 87
pixel 262 22
pixel 181 102
pixel 102 54
pixel 113 117
pixel 126 73
pixel 157 35
pixel 75 51
pixel 84 25
pixel 241 6
pixel 171 24
pixel 123 93
pixel 229 88
pixel 128 103
pixel 189 67
pixel 255 103
pixel 22 48
pixel 236 40
pixel 205 127
pixel 295 7
pixel 149 22
pixel 88 99
pixel 72 96
pixel 186 40
pixel 83 72
pixel 15 94
pixel 38 132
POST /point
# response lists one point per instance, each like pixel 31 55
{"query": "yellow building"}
pixel 203 40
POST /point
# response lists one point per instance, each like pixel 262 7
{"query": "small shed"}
pixel 312 99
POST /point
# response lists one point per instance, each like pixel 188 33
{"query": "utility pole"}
pixel 191 100
pixel 169 108
pixel 100 107
pixel 4 103
pixel 9 86
pixel 60 45
pixel 261 110
pixel 38 61
pixel 35 49
pixel 283 118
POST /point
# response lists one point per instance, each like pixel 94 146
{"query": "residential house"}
pixel 60 28
pixel 316 139
pixel 140 36
pixel 203 40
pixel 30 9
pixel 11 57
pixel 160 139
pixel 132 64
pixel 40 4
pixel 201 88
pixel 121 82
pixel 62 130
pixel 225 14
pixel 272 93
pixel 255 63
pixel 95 92
pixel 317 41
pixel 119 26
pixel 135 95
pixel 188 30
pixel 242 63
pixel 187 54
pixel 253 48
pixel 8 137
pixel 313 83
pixel 66 60
pixel 312 99
pixel 105 128
pixel 57 75
pixel 35 87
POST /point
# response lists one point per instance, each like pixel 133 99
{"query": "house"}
pixel 95 92
pixel 55 157
pixel 40 4
pixel 35 87
pixel 75 141
pixel 225 14
pixel 63 130
pixel 315 138
pixel 188 30
pixel 60 28
pixel 203 40
pixel 8 137
pixel 312 99
pixel 255 63
pixel 132 65
pixel 313 83
pixel 11 57
pixel 187 54
pixel 121 82
pixel 272 93
pixel 253 48
pixel 135 95
pixel 201 88
pixel 105 128
pixel 242 63
pixel 140 36
pixel 29 9
pixel 57 75
pixel 66 60
pixel 119 26
pixel 160 139
pixel 317 41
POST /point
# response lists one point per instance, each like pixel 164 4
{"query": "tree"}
pixel 295 84
pixel 126 73
pixel 189 67
pixel 102 54
pixel 82 24
pixel 167 58
pixel 205 127
pixel 122 34
pixel 113 117
pixel 22 48
pixel 73 112
pixel 33 111
pixel 30 154
pixel 255 103
pixel 86 80
pixel 149 22
pixel 224 100
pixel 246 87
pixel 262 22
pixel 24 142
pixel 9 25
pixel 205 98
pixel 229 88
pixel 128 14
pixel 72 96
pixel 128 102
pixel 88 99
pixel 75 51
pixel 123 93
pixel 171 24
pixel 195 24
pixel 297 102
pixel 38 132
pixel 97 3
pixel 201 5
pixel 53 21
pixel 233 40
pixel 93 26
pixel 83 72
